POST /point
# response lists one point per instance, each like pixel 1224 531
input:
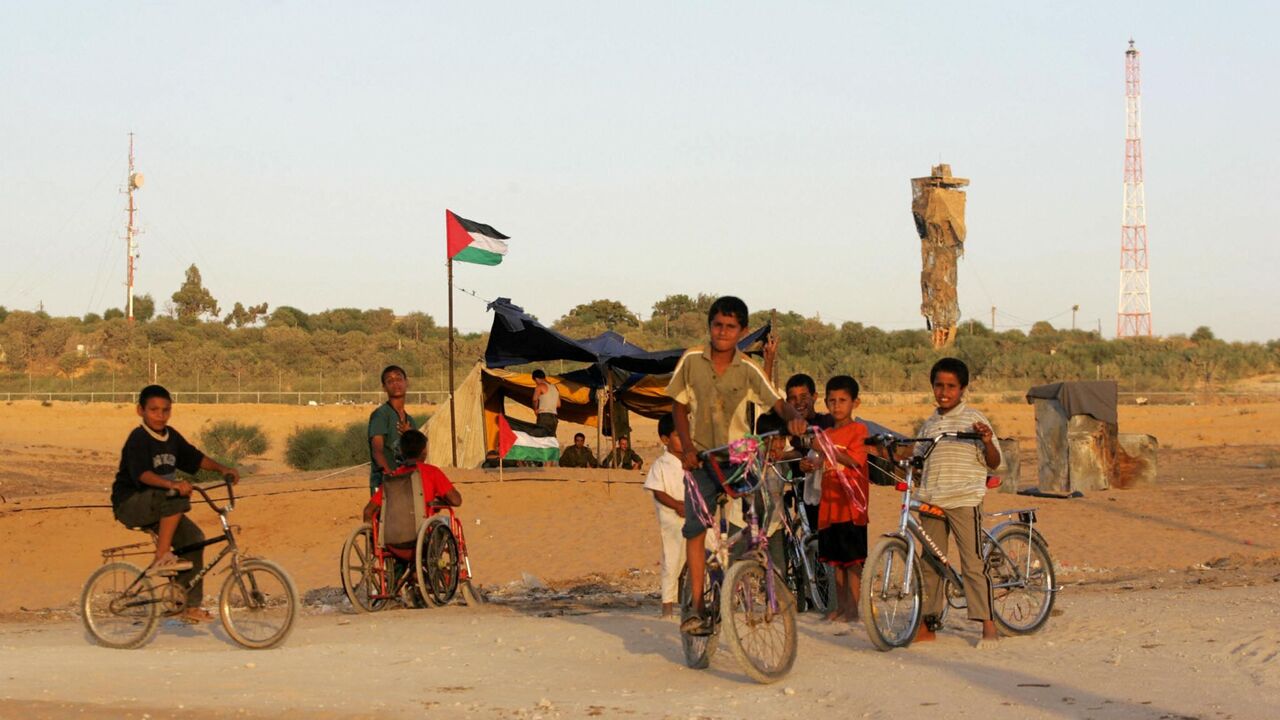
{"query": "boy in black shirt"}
pixel 147 494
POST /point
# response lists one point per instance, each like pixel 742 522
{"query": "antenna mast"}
pixel 131 231
pixel 1134 316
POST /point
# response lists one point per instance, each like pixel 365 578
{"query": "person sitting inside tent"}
pixel 623 457
pixel 577 455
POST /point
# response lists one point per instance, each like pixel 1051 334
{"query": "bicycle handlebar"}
pixel 228 481
pixel 705 454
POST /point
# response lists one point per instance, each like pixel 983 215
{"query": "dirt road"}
pixel 1205 652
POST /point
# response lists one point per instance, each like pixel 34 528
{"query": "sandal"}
pixel 170 564
pixel 195 616
pixel 696 625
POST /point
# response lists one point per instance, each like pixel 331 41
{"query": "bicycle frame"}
pixel 227 536
pixel 918 541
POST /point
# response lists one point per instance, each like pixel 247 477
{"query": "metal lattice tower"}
pixel 131 233
pixel 1134 316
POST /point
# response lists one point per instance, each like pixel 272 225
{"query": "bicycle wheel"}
pixel 437 563
pixel 258 604
pixel 119 607
pixel 890 603
pixel 823 579
pixel 363 577
pixel 1021 573
pixel 699 649
pixel 761 633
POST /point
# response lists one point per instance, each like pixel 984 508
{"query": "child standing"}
pixel 842 513
pixel 955 479
pixel 147 494
pixel 666 481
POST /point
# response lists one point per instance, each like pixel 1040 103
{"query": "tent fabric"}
pixel 469 409
pixel 1084 397
pixel 517 338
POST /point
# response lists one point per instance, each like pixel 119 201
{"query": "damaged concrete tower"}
pixel 937 202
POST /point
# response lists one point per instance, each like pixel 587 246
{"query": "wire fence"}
pixel 260 397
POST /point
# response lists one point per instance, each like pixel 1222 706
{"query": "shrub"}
pixel 320 447
pixel 230 441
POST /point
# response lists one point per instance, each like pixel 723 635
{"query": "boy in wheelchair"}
pixel 409 505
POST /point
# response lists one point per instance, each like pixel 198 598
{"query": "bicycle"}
pixel 433 571
pixel 121 605
pixel 810 580
pixel 1015 556
pixel 743 589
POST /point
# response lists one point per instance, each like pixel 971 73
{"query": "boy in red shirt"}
pixel 842 513
pixel 436 487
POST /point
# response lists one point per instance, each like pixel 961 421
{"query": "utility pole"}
pixel 136 180
pixel 1074 309
pixel 1134 316
pixel 993 318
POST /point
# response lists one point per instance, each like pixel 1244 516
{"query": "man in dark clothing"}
pixel 577 455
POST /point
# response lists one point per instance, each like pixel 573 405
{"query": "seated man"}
pixel 577 455
pixel 436 488
pixel 623 457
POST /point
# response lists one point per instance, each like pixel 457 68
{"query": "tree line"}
pixel 191 344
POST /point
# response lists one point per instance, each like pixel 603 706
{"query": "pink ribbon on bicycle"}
pixel 851 489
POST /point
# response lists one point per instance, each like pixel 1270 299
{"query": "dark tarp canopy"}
pixel 517 338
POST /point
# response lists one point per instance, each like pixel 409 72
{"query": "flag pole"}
pixel 453 420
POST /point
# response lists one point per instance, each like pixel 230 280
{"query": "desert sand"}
pixel 1168 606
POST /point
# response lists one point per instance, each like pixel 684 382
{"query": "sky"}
pixel 304 153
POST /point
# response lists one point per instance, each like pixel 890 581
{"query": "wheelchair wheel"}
pixel 436 561
pixel 363 576
pixel 119 607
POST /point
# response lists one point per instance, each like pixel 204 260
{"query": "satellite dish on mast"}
pixel 137 180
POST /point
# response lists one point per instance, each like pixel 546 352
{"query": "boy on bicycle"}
pixel 954 479
pixel 147 494
pixel 711 387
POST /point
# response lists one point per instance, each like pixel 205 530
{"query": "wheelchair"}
pixel 413 553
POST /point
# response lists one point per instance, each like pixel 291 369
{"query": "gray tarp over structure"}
pixel 1081 397
pixel 1076 435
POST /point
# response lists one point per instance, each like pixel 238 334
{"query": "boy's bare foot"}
pixel 990 639
pixel 832 616
pixel 924 634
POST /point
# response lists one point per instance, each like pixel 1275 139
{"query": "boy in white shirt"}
pixel 666 481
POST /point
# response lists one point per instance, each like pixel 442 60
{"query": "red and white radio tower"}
pixel 1134 316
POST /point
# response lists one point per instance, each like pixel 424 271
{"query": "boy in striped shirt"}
pixel 955 479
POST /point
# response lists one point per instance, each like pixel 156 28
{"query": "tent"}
pixel 634 378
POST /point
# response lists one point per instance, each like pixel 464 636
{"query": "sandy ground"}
pixel 1166 586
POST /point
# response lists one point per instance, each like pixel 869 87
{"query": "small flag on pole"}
pixel 473 242
pixel 520 445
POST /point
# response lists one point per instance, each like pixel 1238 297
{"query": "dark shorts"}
pixel 547 423
pixel 144 508
pixel 710 489
pixel 843 544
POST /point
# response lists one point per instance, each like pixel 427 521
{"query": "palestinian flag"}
pixel 519 445
pixel 473 242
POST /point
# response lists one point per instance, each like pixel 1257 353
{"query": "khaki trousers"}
pixel 966 525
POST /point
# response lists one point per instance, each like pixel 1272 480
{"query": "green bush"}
pixel 320 447
pixel 230 442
